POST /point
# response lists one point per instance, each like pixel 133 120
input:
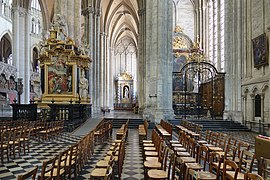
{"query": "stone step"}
pixel 216 125
pixel 133 123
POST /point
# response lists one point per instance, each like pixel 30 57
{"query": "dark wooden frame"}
pixel 260 51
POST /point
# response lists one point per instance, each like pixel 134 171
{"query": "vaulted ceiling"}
pixel 120 20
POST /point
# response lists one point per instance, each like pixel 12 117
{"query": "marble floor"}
pixel 133 164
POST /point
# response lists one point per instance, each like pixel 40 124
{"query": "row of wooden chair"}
pixel 13 141
pixel 113 161
pixel 197 128
pixel 167 126
pixel 142 129
pixel 122 131
pixel 48 130
pixel 237 151
pixel 102 131
pixel 67 162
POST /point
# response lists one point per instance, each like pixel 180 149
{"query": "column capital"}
pixel 141 11
pixel 88 10
pixel 98 12
pixel 103 34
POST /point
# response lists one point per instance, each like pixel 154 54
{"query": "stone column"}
pixel 158 79
pixel 252 107
pixel 141 59
pixel 21 48
pixel 262 107
pixel 233 55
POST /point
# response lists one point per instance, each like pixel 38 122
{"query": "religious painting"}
pixel 260 51
pixel 59 76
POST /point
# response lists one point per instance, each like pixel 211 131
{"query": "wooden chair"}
pixel 47 169
pixel 240 147
pixel 59 170
pixel 202 156
pixel 101 173
pixel 264 169
pixel 245 165
pixel 25 139
pixel 14 142
pixel 4 146
pixel 232 173
pixel 163 173
pixel 252 176
pixel 155 163
pixel 72 161
pixel 31 174
pixel 198 173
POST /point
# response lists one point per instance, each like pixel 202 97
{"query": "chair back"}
pixel 242 146
pixel 214 138
pixel 252 176
pixel 30 174
pixel 246 161
pixel 47 169
pixel 264 169
pixel 61 163
pixel 228 164
pixel 202 155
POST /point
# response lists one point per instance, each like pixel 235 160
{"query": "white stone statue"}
pixel 126 92
pixel 196 84
pixel 83 86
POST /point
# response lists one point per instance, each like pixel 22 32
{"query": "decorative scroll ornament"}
pixel 197 53
pixel 178 29
pixel 124 76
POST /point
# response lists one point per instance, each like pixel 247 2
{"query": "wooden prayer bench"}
pixel 143 131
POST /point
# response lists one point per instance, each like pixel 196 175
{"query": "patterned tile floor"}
pixel 133 167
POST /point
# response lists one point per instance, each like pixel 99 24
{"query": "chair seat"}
pixel 152 159
pixel 179 153
pixel 174 142
pixel 13 142
pixel 177 145
pixel 157 174
pixel 147 141
pixel 206 175
pixel 239 175
pixel 180 149
pixel 151 153
pixel 202 142
pixel 187 160
pixel 99 172
pixel 213 148
pixel 148 145
pixel 194 166
pixel 152 164
pixel 149 148
pixel 102 164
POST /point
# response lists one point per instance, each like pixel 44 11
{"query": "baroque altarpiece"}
pixel 64 70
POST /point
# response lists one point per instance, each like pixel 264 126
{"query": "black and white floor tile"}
pixel 133 163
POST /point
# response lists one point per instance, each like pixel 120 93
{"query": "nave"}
pixel 133 162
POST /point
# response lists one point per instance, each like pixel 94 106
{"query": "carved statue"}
pixel 83 86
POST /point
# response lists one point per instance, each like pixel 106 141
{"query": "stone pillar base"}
pixel 233 115
pixel 155 115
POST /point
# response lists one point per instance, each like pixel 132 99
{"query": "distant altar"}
pixel 64 70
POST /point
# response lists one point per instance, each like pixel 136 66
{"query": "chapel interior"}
pixel 134 89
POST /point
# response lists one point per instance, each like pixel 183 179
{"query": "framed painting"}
pixel 59 76
pixel 260 51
